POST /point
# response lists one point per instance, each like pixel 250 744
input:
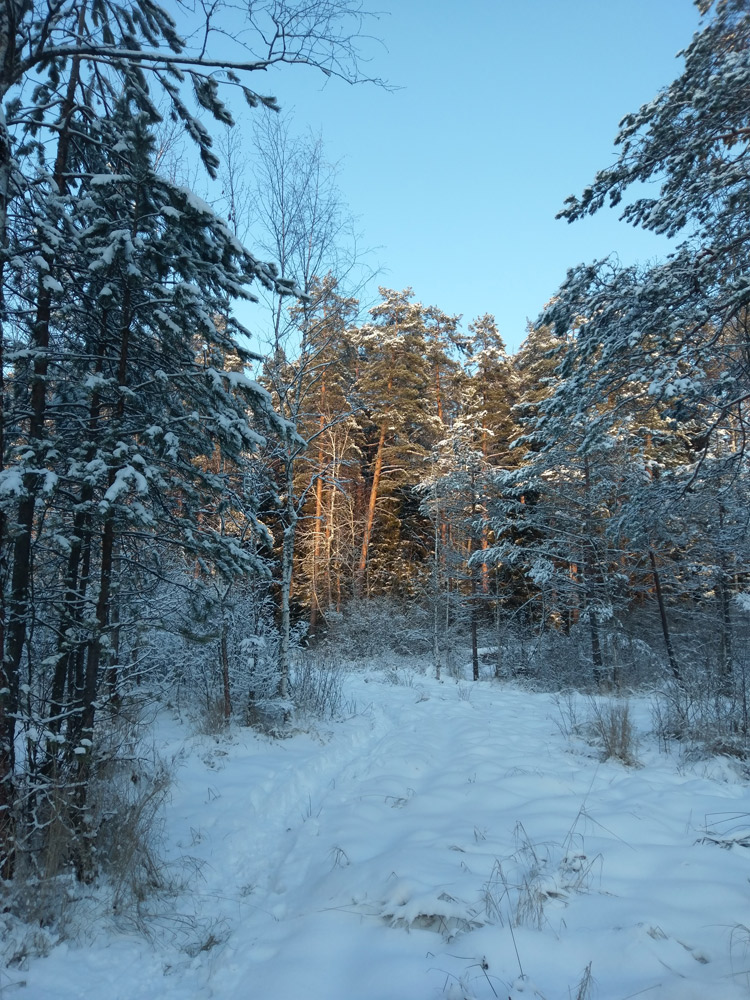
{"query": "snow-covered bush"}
pixel 316 686
pixel 364 629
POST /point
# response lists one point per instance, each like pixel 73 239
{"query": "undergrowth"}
pixel 47 901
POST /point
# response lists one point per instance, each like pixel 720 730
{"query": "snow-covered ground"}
pixel 446 841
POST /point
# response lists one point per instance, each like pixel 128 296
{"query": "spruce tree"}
pixel 677 327
pixel 668 341
pixel 116 344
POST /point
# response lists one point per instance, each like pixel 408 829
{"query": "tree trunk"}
pixel 663 616
pixel 112 675
pixel 76 575
pixel 226 706
pixel 436 597
pixel 588 581
pixel 373 501
pixel 317 523
pixel 725 634
pixel 88 678
pixel 15 632
pixel 596 648
pixel 82 732
pixel 484 569
pixel 287 568
pixel 473 619
pixel 71 616
pixel 7 720
pixel 498 631
pixel 330 534
pixel 101 637
pixel 40 337
pixel 723 593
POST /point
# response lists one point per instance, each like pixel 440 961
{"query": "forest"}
pixel 185 515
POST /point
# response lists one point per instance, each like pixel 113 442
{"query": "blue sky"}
pixel 502 110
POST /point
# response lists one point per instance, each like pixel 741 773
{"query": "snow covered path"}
pixel 444 842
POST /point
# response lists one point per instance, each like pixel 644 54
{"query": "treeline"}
pixel 379 406
pixel 442 471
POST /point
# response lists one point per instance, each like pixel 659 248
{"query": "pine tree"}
pixel 491 392
pixel 399 425
pixel 442 339
pixel 330 466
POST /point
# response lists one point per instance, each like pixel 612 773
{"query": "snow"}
pixel 11 482
pixel 51 284
pixel 193 201
pixel 124 478
pixel 98 180
pixel 446 840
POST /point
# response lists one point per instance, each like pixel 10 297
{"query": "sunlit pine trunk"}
pixel 484 543
pixel 335 529
pixel 287 570
pixel 317 532
pixel 436 590
pixel 330 530
pixel 372 501
pixel 317 546
pixel 473 582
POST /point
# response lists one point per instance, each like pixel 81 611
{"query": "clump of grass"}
pixel 612 731
pixel 585 987
pixel 521 886
pixel 607 726
pixel 212 719
pixel 567 721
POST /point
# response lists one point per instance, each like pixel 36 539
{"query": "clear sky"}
pixel 503 110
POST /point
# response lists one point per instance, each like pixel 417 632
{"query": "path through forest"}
pixel 447 840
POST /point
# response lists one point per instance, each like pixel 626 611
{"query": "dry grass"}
pixel 612 731
pixel 605 725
